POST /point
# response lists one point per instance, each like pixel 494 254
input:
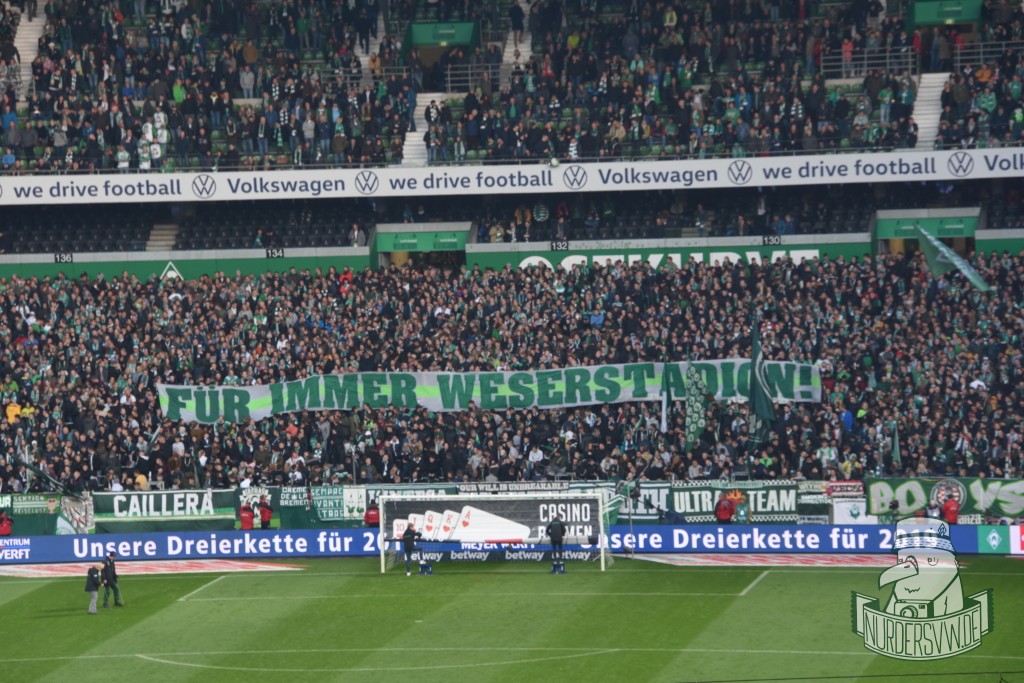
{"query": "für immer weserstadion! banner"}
pixel 727 380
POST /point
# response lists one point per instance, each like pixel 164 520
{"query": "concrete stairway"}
pixel 508 57
pixel 375 42
pixel 928 108
pixel 162 237
pixel 415 151
pixel 27 42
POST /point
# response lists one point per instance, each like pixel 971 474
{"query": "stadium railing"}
pixel 281 161
pixel 881 59
pixel 975 54
pixel 458 78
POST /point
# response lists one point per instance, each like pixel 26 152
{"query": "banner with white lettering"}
pixel 759 502
pixel 325 504
pixel 455 391
pixel 399 181
pixel 139 511
pixel 977 499
pixel 195 545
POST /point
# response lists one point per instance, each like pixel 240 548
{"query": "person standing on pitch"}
pixel 409 546
pixel 556 532
pixel 110 581
pixel 92 586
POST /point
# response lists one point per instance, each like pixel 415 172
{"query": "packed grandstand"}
pixel 163 85
pixel 921 374
pixel 900 351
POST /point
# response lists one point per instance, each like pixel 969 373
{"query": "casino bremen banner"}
pixel 455 391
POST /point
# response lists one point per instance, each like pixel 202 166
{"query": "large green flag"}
pixel 941 259
pixel 696 405
pixel 762 414
pixel 896 458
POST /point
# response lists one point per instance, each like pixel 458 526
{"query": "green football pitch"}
pixel 341 620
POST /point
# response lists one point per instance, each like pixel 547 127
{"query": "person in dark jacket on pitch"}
pixel 110 581
pixel 92 586
pixel 409 546
pixel 556 532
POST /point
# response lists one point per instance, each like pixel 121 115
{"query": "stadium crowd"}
pixel 265 85
pixel 109 96
pixel 899 350
pixel 727 79
pixel 982 105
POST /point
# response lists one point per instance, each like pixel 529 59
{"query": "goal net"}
pixel 493 527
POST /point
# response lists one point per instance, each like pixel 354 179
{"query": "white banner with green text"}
pixel 454 391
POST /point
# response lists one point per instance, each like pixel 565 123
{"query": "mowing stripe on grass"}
pixel 527 572
pixel 860 677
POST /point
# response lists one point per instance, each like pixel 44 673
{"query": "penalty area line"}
pixel 404 596
pixel 463 648
pixel 206 585
pixel 753 583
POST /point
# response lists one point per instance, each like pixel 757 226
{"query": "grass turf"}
pixel 341 620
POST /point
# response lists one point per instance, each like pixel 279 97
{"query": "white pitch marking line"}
pixel 373 575
pixel 419 667
pixel 206 585
pixel 371 596
pixel 625 650
pixel 753 583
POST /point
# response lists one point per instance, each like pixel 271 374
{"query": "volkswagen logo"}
pixel 367 182
pixel 740 172
pixel 960 164
pixel 204 186
pixel 574 177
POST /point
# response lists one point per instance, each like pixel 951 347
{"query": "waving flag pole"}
pixel 762 413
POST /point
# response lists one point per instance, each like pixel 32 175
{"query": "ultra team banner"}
pixel 450 391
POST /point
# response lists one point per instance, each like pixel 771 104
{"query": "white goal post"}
pixel 494 527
